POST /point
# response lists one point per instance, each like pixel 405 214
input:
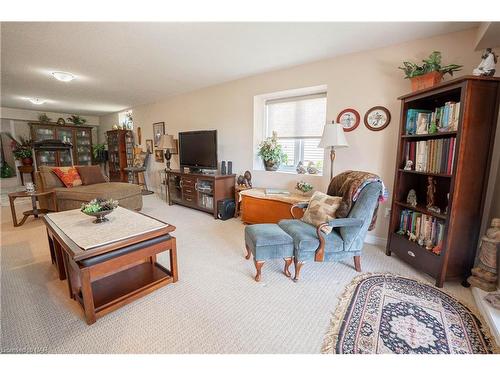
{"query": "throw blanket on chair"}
pixel 348 185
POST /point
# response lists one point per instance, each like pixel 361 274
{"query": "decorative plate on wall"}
pixel 349 119
pixel 377 118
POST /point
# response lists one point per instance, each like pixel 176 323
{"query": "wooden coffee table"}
pixel 109 274
pixel 35 211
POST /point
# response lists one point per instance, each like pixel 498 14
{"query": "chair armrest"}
pixel 302 205
pixel 336 223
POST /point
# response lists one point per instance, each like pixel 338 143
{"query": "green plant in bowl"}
pixel 99 208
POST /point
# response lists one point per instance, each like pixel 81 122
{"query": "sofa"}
pixel 127 195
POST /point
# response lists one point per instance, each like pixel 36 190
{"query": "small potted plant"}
pixel 99 208
pixel 77 120
pixel 428 74
pixel 304 187
pixel 271 153
pixel 22 151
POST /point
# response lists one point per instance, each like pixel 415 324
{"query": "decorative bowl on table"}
pixel 99 208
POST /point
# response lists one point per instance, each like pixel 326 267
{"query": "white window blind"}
pixel 296 117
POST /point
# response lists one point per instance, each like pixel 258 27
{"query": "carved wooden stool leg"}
pixel 288 261
pixel 248 252
pixel 357 263
pixel 258 267
pixel 298 266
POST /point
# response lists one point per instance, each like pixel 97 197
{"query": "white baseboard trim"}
pixel 376 240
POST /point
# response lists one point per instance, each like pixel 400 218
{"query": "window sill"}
pixel 290 173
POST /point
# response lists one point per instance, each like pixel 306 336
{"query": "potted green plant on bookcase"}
pixel 428 74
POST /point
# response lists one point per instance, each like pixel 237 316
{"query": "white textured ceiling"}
pixel 120 65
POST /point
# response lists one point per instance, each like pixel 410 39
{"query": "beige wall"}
pixel 360 81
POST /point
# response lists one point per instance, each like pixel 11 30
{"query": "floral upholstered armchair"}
pixel 348 234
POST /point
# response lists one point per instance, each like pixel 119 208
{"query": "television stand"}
pixel 199 190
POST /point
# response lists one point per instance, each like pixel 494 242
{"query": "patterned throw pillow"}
pixel 321 209
pixel 69 176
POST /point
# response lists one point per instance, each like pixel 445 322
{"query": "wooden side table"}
pixel 35 211
pixel 26 169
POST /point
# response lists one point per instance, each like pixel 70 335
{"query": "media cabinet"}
pixel 199 190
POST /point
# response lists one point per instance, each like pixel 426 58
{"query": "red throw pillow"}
pixel 69 176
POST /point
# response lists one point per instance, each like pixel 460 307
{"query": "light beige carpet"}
pixel 216 307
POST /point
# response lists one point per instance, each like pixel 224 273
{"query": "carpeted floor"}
pixel 216 307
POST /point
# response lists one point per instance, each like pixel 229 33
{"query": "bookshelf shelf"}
pixel 429 136
pixel 422 209
pixel 464 154
pixel 426 173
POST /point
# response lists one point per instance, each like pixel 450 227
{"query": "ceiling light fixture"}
pixel 63 76
pixel 37 101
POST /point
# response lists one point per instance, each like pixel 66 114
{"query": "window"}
pixel 299 123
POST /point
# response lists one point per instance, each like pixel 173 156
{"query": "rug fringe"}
pixel 336 320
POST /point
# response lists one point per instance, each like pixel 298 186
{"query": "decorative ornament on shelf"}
pixel 43 118
pixel 428 74
pixel 304 187
pixel 408 165
pixel 311 168
pixel 272 153
pixel 61 121
pixel 411 199
pixel 431 191
pixel 488 63
pixel 300 168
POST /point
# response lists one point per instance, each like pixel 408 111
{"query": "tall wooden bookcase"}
pixel 120 153
pixel 462 191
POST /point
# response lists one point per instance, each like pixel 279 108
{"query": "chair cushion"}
pixel 90 174
pixel 305 239
pixel 321 209
pixel 268 241
pixel 68 175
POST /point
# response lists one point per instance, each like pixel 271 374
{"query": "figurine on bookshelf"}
pixel 428 244
pixel 431 191
pixel 422 123
pixel 408 165
pixel 412 236
pixel 411 199
pixel 487 65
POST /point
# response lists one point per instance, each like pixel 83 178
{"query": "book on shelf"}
pixel 444 118
pixel 422 228
pixel 431 156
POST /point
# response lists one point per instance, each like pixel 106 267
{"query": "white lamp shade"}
pixel 333 136
pixel 167 142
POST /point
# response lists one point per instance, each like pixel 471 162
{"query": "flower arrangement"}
pixel 272 153
pixel 77 120
pixel 431 64
pixel 98 205
pixel 304 187
pixel 22 149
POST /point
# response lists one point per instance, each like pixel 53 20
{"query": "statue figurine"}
pixel 487 65
pixel 431 190
pixel 311 169
pixel 412 198
pixel 300 168
pixel 485 273
pixel 245 180
pixel 408 165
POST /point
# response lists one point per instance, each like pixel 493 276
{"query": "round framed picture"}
pixel 349 119
pixel 377 118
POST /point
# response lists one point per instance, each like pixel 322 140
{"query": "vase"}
pixel 271 165
pixel 27 161
pixel 425 81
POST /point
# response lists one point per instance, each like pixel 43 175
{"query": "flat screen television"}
pixel 198 149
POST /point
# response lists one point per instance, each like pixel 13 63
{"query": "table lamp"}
pixel 168 143
pixel 333 138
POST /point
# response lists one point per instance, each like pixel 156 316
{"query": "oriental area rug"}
pixel 388 314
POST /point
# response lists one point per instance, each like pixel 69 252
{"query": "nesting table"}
pixel 34 198
pixel 110 264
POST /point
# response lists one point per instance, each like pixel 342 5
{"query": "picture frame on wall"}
pixel 349 118
pixel 377 118
pixel 159 156
pixel 149 146
pixel 158 131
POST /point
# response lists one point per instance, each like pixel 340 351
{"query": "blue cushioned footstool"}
pixel 268 241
